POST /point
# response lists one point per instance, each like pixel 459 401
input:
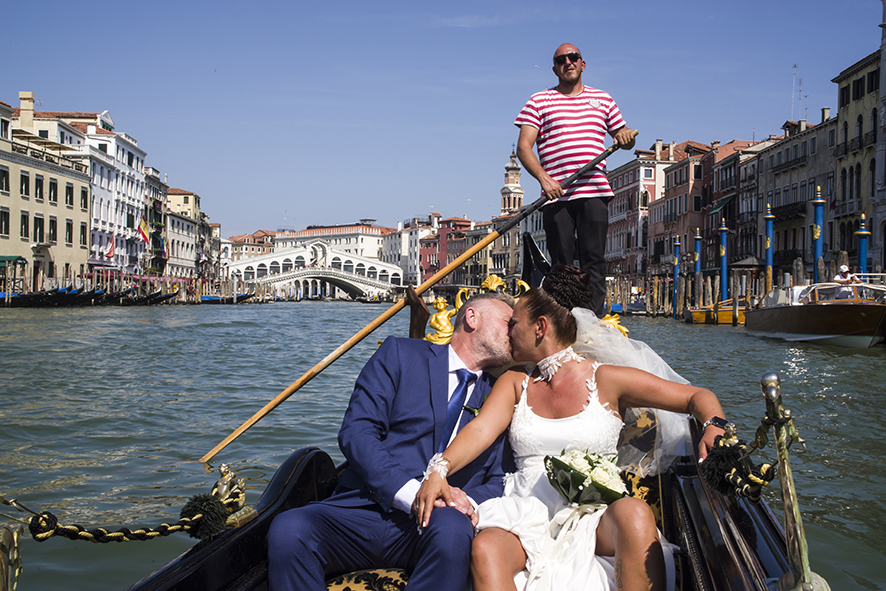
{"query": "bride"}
pixel 561 401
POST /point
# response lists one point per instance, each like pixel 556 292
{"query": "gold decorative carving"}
pixel 441 321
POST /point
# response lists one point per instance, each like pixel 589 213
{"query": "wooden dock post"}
pixel 734 297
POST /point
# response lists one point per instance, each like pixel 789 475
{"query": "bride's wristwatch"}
pixel 718 422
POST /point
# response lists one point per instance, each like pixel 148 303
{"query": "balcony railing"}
pixel 47 157
pixel 855 144
pixel 840 150
pixel 847 208
pixel 870 138
pixel 800 161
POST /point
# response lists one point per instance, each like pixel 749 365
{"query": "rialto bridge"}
pixel 317 269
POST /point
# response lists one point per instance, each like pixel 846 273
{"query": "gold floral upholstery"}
pixel 380 579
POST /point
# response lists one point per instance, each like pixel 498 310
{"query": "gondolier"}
pixel 568 125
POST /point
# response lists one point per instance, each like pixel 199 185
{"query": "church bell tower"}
pixel 512 192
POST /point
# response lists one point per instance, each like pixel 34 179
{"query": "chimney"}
pixel 399 226
pixel 26 117
pixel 671 147
pixel 802 125
pixel 715 144
pixel 658 149
pixel 826 111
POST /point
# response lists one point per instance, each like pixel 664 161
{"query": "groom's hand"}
pixel 461 502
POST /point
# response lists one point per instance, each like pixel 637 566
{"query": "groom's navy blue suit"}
pixel 393 425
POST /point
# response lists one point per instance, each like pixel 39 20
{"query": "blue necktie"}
pixel 456 405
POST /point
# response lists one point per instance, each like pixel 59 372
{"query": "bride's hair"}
pixel 563 288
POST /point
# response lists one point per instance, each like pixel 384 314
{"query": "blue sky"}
pixel 298 113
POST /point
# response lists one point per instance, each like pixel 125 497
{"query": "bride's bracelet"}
pixel 438 464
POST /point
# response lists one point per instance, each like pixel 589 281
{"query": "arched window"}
pixel 349 266
pixel 275 268
pixel 858 181
pixel 875 120
pixel 287 265
pixel 845 133
pixel 395 279
pixel 851 182
pixel 859 126
pixel 872 171
pixel 843 236
pixel 383 276
pixel 262 270
pixel 372 273
pixel 248 274
pixel 336 263
pixel 361 269
pixel 299 261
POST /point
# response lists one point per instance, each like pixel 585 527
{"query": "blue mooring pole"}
pixel 724 291
pixel 818 251
pixel 769 220
pixel 676 272
pixel 862 234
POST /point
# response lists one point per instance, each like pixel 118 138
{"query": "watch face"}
pixel 718 422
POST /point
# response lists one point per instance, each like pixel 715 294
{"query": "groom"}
pixel 396 420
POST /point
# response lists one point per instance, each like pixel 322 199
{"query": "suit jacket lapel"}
pixel 438 367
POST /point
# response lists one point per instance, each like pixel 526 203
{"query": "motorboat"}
pixel 831 313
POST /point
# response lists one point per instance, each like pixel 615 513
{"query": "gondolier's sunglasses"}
pixel 573 56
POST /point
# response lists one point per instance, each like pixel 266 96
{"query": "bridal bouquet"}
pixel 585 478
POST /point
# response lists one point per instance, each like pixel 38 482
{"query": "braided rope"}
pixel 729 463
pixel 202 517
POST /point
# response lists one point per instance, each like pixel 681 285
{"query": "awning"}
pixel 8 259
pixel 723 203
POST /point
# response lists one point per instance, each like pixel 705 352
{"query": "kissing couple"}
pixel 449 497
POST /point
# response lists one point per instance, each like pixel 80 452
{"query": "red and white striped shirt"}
pixel 571 133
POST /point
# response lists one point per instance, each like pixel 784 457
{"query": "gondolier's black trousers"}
pixel 577 229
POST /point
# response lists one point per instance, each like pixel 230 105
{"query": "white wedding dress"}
pixel 559 539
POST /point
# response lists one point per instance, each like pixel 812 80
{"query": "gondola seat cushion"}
pixel 380 579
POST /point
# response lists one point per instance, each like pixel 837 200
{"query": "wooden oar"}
pixel 344 347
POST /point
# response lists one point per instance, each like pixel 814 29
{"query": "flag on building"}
pixel 143 230
pixel 165 251
pixel 109 253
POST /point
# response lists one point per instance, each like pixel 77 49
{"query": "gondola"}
pixel 35 299
pixel 227 300
pixel 106 298
pixel 726 542
pixel 162 297
pixel 143 300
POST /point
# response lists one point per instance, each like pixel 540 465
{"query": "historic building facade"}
pixel 44 204
pixel 858 123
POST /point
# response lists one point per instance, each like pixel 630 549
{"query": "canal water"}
pixel 103 412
